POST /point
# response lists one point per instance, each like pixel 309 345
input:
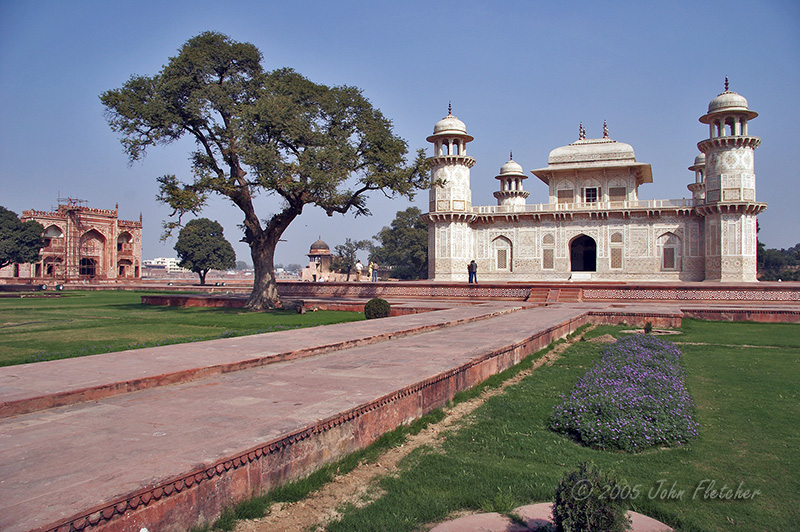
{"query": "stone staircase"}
pixel 549 296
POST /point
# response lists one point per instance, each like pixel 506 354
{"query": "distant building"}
pixel 83 244
pixel 320 261
pixel 165 264
pixel 594 226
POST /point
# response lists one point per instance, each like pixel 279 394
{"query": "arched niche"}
pixel 53 231
pixel 503 253
pixel 669 246
pixel 124 241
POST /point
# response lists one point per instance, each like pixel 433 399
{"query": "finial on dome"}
pixel 510 155
pixel 605 130
pixel 582 133
pixel 450 107
pixel 726 83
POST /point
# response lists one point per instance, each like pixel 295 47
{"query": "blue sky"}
pixel 522 75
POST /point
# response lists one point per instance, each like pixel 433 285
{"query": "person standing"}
pixel 359 267
pixel 473 272
pixel 373 266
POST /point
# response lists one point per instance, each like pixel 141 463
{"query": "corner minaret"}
pixel 511 177
pixel 449 233
pixel 730 206
pixel 450 166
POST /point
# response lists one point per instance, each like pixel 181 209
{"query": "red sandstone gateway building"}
pixel 82 244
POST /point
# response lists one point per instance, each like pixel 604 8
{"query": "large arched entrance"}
pixel 583 254
pixel 93 253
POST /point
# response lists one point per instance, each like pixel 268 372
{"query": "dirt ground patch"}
pixel 604 339
pixel 359 487
pixel 654 332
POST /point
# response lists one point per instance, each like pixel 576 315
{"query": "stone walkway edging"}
pixel 535 516
pixel 771 315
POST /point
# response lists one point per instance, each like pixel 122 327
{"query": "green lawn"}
pixel 91 322
pixel 504 455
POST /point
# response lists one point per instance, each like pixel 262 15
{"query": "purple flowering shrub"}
pixel 634 398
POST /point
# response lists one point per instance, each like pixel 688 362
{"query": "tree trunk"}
pixel 265 288
pixel 262 250
pixel 202 275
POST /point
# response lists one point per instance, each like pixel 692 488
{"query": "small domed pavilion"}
pixel 320 262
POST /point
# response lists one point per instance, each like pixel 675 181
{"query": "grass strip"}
pixel 93 322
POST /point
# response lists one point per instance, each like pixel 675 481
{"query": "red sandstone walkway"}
pixel 31 387
pixel 56 462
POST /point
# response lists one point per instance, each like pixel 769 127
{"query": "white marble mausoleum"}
pixel 594 226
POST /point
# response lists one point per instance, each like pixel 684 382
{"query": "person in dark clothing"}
pixel 473 272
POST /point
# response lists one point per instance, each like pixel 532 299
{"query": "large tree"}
pixel 404 245
pixel 20 242
pixel 261 132
pixel 202 247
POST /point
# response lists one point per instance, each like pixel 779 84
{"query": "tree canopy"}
pixel 783 264
pixel 20 242
pixel 260 131
pixel 202 247
pixel 777 264
pixel 404 245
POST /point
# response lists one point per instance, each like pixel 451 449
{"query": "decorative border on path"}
pixel 677 294
pixel 401 290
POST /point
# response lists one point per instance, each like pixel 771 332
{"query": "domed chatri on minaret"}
pixel 727 102
pixel 449 126
pixel 511 177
